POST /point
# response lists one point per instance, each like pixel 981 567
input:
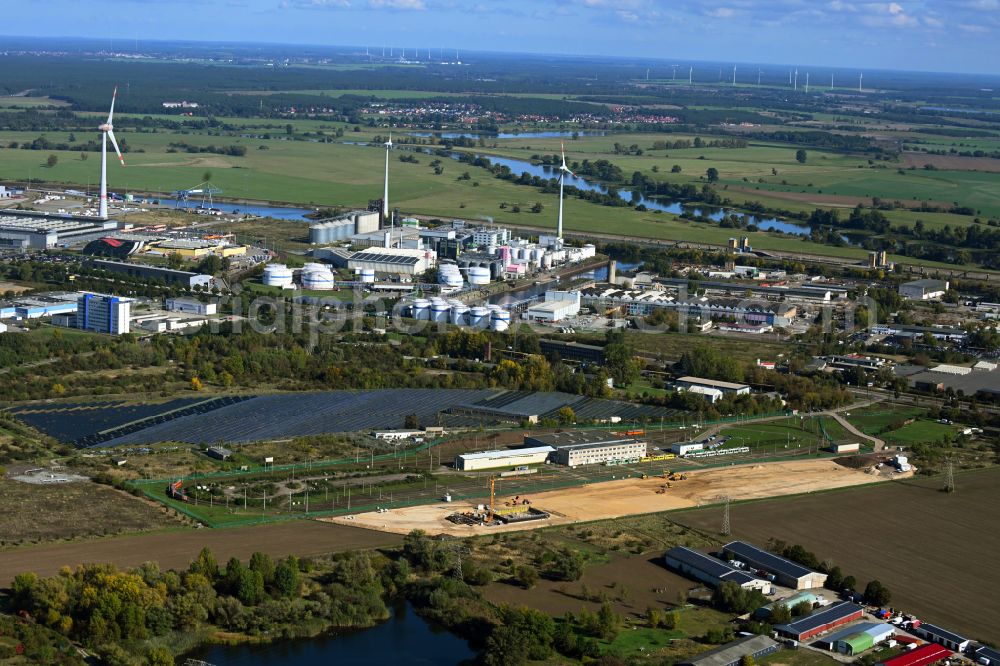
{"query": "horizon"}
pixel 931 36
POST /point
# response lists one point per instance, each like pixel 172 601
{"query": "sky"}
pixel 927 35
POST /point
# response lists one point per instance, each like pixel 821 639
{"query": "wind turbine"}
pixel 796 84
pixel 807 82
pixel 385 197
pixel 831 81
pixel 107 132
pixel 690 74
pixel 759 72
pixel 861 78
pixel 563 170
pixel 734 75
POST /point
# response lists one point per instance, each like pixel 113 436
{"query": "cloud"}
pixel 722 12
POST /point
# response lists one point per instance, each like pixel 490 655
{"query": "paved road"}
pixel 172 550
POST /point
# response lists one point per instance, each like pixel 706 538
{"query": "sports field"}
pixel 933 550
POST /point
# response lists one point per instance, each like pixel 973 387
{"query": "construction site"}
pixel 646 493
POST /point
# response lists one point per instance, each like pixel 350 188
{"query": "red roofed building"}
pixel 921 656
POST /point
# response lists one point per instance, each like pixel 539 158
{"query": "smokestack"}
pixel 612 271
pixel 388 239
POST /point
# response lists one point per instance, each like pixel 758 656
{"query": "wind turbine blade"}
pixel 112 111
pixel 111 135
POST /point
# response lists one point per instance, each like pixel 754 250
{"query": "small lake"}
pixel 405 638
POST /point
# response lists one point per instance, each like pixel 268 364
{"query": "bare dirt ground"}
pixel 951 162
pixel 627 497
pixel 304 538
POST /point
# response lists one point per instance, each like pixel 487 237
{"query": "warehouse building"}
pixel 48 231
pixel 987 656
pixel 685 383
pixel 732 654
pixel 823 620
pixel 572 351
pixel 786 572
pixel 710 570
pixel 684 448
pixel 948 639
pixel 558 305
pixel 45 305
pixel 589 448
pixel 533 455
pixel 764 611
pixel 196 248
pixel 921 656
pixel 102 313
pixel 392 260
pixel 167 275
pixel 857 638
pixel 191 306
pixel 923 290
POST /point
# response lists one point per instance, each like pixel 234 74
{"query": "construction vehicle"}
pixel 675 476
pixel 176 491
pixel 644 476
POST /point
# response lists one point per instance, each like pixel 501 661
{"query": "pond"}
pixel 403 638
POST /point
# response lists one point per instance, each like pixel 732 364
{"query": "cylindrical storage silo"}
pixel 460 315
pixel 546 261
pixel 479 317
pixel 367 275
pixel 496 270
pixel 589 250
pixel 421 308
pixel 479 275
pixel 440 310
pixel 505 255
pixel 491 250
pixel 500 320
pixel 317 277
pixel 277 275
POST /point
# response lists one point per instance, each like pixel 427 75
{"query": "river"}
pixel 403 638
pixel 277 212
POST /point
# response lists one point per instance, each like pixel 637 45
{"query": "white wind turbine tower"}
pixel 734 75
pixel 386 212
pixel 861 78
pixel 563 170
pixel 807 82
pixel 690 75
pixel 796 84
pixel 107 132
pixel 759 73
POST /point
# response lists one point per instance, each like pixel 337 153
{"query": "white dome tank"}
pixel 440 311
pixel 479 275
pixel 317 277
pixel 421 308
pixel 479 317
pixel 500 320
pixel 460 315
pixel 277 275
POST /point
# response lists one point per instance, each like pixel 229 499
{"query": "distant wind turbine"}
pixel 734 75
pixel 796 78
pixel 563 170
pixel 861 78
pixel 759 72
pixel 807 82
pixel 386 213
pixel 690 75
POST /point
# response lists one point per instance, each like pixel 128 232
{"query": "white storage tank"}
pixel 367 275
pixel 536 255
pixel 479 275
pixel 546 261
pixel 460 315
pixel 317 277
pixel 479 317
pixel 500 320
pixel 277 275
pixel 421 308
pixel 588 251
pixel 440 310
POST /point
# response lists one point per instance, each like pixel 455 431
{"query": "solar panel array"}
pixel 380 258
pixel 298 414
pixel 74 422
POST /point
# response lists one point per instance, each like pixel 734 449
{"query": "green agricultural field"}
pixel 776 436
pixel 920 432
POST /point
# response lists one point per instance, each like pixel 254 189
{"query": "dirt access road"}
pixel 614 499
pixel 172 550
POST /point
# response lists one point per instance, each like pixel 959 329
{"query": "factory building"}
pixel 191 306
pixel 631 302
pixel 534 455
pixel 687 383
pixel 195 248
pixel 987 656
pixel 46 305
pixel 821 621
pixel 948 639
pixel 710 570
pixel 48 231
pixel 764 611
pixel 684 448
pixel 558 305
pixel 589 448
pixel 572 351
pixel 923 290
pixel 733 654
pixel 712 395
pixel 103 313
pixel 490 236
pixel 168 275
pixel 391 260
pixel 786 572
